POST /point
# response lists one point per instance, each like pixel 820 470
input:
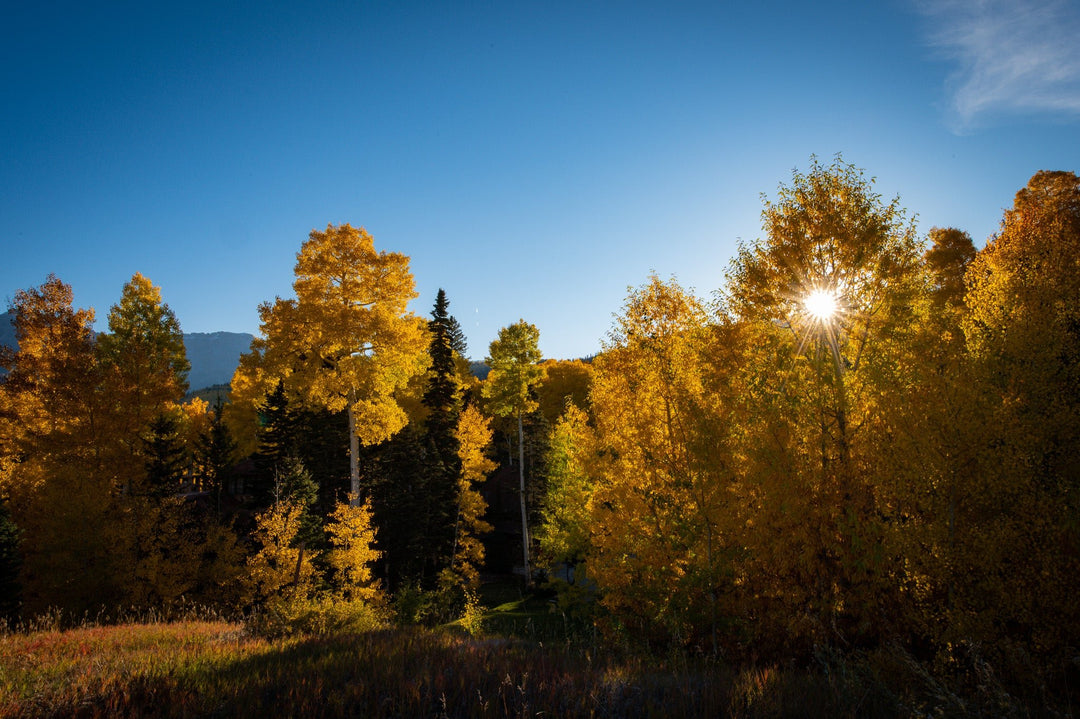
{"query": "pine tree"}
pixel 457 336
pixel 294 485
pixel 216 451
pixel 277 437
pixel 398 482
pixel 441 397
pixel 165 455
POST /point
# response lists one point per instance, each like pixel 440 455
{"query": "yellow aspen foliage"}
pixel 72 552
pixel 934 464
pixel 220 567
pixel 1022 329
pixel 352 537
pixel 828 300
pixel 278 568
pixel 659 506
pixel 564 529
pixel 57 481
pixel 564 381
pixel 47 398
pixel 247 391
pixel 163 554
pixel 346 343
pixel 473 435
pixel 194 417
pixel 144 368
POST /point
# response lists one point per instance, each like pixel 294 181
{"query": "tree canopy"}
pixel 347 342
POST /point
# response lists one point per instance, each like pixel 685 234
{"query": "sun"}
pixel 821 305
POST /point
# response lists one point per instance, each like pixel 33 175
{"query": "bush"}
pixel 321 616
pixel 472 616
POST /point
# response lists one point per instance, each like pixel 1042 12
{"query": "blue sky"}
pixel 532 158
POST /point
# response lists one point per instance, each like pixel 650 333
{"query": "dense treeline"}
pixel 863 437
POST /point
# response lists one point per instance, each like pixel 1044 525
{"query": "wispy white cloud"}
pixel 1014 56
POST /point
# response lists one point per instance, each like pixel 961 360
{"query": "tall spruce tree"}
pixel 277 438
pixel 441 397
pixel 457 336
pixel 399 482
pixel 216 452
pixel 165 456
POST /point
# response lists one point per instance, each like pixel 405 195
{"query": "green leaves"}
pixel 513 359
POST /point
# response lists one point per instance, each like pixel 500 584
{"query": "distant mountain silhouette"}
pixel 213 355
pixel 7 330
pixel 479 370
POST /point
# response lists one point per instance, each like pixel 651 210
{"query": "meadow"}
pixel 517 667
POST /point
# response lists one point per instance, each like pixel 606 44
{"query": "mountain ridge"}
pixel 213 355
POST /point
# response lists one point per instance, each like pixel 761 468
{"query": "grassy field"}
pixel 214 668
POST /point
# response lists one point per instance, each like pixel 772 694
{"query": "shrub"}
pixel 325 615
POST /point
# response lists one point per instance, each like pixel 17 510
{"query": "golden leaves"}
pixel 347 339
pixel 473 434
pixel 352 537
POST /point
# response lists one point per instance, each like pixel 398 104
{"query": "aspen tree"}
pixel 347 342
pixel 513 359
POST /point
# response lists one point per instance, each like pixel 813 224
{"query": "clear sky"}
pixel 532 158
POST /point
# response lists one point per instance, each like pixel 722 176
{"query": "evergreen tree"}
pixel 457 336
pixel 277 436
pixel 441 394
pixel 294 485
pixel 165 456
pixel 399 482
pixel 322 444
pixel 442 400
pixel 216 452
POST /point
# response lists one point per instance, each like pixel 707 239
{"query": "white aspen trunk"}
pixel 524 513
pixel 354 455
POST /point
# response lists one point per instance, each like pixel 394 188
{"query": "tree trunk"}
pixel 354 455
pixel 524 513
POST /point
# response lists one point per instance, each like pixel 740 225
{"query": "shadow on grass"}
pixel 407 673
pixel 414 672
